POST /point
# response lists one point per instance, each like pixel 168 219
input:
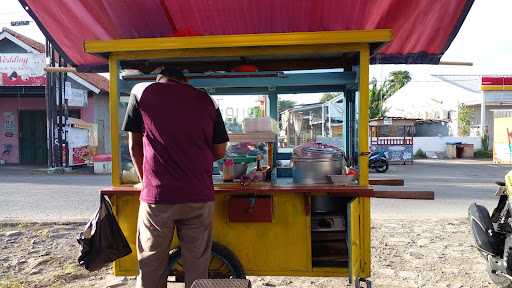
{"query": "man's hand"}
pixel 137 152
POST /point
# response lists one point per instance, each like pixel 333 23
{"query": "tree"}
pixel 329 96
pixel 380 93
pixel 464 116
pixel 397 80
pixel 255 112
pixel 283 105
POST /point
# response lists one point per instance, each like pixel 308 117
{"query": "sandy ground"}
pixel 421 253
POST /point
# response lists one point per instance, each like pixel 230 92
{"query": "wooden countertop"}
pixel 265 188
pixel 348 191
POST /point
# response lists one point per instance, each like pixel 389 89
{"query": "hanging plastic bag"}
pixel 102 240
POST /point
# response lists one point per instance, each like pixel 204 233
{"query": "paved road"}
pixel 456 184
pixel 28 197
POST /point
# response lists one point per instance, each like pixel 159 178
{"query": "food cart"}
pixel 267 228
pixel 395 137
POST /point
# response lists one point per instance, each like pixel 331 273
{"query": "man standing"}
pixel 175 133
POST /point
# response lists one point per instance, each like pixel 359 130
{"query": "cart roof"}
pixel 422 29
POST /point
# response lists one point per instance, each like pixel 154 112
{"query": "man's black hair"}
pixel 171 72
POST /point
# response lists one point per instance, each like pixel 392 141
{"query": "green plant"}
pixel 482 154
pixel 255 112
pixel 378 95
pixel 464 119
pixel 420 154
pixel 485 142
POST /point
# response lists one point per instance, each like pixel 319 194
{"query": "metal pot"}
pixel 316 171
pixel 328 204
pixel 313 163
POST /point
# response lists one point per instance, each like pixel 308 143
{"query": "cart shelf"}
pixel 253 137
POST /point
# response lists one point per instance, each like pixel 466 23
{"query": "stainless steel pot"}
pixel 313 163
pixel 316 171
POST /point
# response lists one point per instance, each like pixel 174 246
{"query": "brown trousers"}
pixel 155 230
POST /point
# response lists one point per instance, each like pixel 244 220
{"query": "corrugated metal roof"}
pixel 423 29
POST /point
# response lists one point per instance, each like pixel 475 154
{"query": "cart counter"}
pixel 278 229
pixel 272 229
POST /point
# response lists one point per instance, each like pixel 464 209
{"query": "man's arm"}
pixel 134 125
pixel 220 137
pixel 219 150
pixel 137 152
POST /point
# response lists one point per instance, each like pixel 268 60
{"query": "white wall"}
pixel 431 145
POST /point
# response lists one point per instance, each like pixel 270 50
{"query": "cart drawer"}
pixel 250 209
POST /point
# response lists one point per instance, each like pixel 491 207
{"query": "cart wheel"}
pixel 367 283
pixel 223 265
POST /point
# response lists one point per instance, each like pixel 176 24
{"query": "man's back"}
pixel 178 134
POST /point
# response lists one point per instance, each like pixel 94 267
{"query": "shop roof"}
pixel 39 47
pixel 96 80
pixel 422 29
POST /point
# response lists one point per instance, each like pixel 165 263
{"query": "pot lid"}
pixel 317 151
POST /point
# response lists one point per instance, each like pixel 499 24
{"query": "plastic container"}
pixel 102 164
pixel 263 124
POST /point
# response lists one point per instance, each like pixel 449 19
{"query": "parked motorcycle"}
pixel 493 234
pixel 378 162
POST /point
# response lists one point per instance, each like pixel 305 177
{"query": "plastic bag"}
pixel 102 240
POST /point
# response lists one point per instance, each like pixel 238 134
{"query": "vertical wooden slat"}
pixel 113 64
pixel 364 202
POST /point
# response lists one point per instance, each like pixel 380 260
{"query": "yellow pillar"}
pixel 365 218
pixel 113 64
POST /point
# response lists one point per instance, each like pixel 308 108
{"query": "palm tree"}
pixel 380 93
pixel 397 80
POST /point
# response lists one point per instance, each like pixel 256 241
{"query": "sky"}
pixel 485 40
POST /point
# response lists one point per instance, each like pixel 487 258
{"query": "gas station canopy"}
pixel 422 29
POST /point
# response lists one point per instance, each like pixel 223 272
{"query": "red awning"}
pixel 422 29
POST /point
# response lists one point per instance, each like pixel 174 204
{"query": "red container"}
pixel 245 209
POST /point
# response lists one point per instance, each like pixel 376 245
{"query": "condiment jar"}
pixel 228 170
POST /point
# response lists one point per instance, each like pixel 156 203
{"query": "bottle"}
pixel 228 170
pixel 258 162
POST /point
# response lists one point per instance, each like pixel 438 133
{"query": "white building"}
pixel 434 97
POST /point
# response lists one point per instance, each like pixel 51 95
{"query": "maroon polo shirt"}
pixel 180 124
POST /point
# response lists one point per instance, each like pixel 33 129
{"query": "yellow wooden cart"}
pixel 283 242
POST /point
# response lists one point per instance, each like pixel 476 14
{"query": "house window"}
pixel 74 113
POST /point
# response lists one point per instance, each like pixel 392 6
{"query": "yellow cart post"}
pixel 281 242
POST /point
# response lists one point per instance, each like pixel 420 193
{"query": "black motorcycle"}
pixel 378 162
pixel 493 236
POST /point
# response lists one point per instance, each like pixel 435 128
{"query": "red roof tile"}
pixel 30 42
